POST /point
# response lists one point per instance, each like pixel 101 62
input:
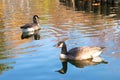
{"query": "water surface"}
pixel 23 59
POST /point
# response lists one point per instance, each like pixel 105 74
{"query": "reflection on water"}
pixel 104 7
pixel 78 22
pixel 29 34
pixel 80 63
pixel 5 67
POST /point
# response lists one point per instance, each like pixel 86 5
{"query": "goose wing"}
pixel 28 25
pixel 85 52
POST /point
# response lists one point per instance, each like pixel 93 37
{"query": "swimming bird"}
pixel 79 53
pixel 31 26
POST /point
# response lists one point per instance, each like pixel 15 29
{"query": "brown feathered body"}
pixel 79 53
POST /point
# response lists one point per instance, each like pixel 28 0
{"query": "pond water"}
pixel 38 59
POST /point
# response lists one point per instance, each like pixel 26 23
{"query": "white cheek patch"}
pixel 61 45
pixel 35 17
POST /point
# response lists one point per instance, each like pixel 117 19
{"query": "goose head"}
pixel 60 44
pixel 35 19
pixel 63 47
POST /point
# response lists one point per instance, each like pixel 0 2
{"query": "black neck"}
pixel 35 21
pixel 64 49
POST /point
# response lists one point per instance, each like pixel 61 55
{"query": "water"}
pixel 22 59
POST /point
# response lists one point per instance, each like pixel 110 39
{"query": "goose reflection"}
pixel 81 63
pixel 35 34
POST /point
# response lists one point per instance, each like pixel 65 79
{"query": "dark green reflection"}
pixel 2 40
pixel 4 67
pixel 104 7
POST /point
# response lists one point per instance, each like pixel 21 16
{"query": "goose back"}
pixel 80 53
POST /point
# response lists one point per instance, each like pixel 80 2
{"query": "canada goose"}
pixel 31 26
pixel 79 53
